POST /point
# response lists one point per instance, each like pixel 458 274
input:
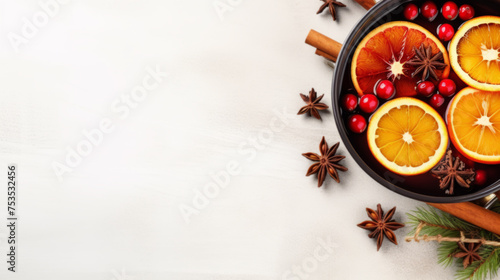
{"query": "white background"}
pixel 117 215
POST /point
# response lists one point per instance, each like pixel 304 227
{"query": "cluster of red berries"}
pixel 356 123
pixel 368 103
pixel 385 90
pixel 446 88
pixel 450 11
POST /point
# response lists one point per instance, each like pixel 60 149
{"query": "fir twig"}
pixel 442 223
pixel 488 266
pixel 446 250
pixel 430 224
pixel 439 238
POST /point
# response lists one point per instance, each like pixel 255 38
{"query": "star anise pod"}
pixel 469 253
pixel 313 104
pixel 381 225
pixel 328 162
pixel 452 169
pixel 426 63
pixel 331 6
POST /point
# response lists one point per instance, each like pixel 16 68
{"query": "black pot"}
pixel 381 13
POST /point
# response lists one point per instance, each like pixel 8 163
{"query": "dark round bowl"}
pixel 381 13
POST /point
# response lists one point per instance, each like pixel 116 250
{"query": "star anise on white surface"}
pixel 313 104
pixel 331 6
pixel 381 225
pixel 328 162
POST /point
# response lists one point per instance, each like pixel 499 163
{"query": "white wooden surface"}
pixel 117 214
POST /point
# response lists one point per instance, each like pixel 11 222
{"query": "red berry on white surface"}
pixel 357 123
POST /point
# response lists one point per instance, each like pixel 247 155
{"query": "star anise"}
pixel 452 169
pixel 381 225
pixel 469 253
pixel 426 63
pixel 328 162
pixel 313 104
pixel 331 6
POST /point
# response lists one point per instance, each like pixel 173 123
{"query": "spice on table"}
pixel 328 162
pixel 468 253
pixel 426 63
pixel 313 104
pixel 331 6
pixel 381 225
pixel 452 169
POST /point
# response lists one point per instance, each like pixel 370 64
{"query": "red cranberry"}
pixel 426 88
pixel 450 10
pixel 429 10
pixel 447 87
pixel 349 102
pixel 385 89
pixel 437 100
pixel 481 177
pixel 445 32
pixel 466 12
pixel 368 103
pixel 357 123
pixel 411 12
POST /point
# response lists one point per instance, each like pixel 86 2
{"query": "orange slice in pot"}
pixel 474 125
pixel 475 53
pixel 383 54
pixel 407 136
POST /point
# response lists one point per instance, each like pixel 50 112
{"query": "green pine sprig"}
pixel 479 270
pixel 438 223
pixel 445 224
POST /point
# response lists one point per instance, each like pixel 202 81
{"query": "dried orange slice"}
pixel 407 136
pixel 475 53
pixel 383 54
pixel 474 124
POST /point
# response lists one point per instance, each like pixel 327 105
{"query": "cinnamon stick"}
pixel 367 4
pixel 473 214
pixel 324 44
pixel 325 55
